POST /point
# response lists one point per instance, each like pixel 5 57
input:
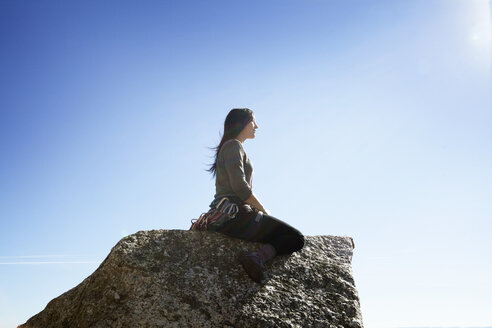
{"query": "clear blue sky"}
pixel 375 121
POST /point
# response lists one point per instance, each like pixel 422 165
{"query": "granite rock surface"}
pixel 178 278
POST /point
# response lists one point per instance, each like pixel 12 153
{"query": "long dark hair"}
pixel 234 123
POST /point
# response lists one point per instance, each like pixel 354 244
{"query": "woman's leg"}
pixel 278 236
pixel 285 238
pixel 248 225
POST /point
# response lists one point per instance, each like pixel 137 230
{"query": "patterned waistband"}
pixel 225 206
pixel 233 199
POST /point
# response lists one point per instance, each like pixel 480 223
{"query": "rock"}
pixel 176 278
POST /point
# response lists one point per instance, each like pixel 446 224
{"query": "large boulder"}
pixel 177 278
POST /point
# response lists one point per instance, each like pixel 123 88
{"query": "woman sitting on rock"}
pixel 233 171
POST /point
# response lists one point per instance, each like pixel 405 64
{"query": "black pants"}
pixel 247 225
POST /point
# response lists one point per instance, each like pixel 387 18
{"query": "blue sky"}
pixel 374 122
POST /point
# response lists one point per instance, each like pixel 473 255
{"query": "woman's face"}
pixel 250 129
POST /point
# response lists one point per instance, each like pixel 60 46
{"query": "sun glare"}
pixel 480 33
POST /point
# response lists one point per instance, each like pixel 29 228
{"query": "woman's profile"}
pixel 246 217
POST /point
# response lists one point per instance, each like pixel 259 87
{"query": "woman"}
pixel 234 172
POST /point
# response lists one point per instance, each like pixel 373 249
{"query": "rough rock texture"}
pixel 176 278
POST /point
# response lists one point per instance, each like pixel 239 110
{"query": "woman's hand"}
pixel 254 202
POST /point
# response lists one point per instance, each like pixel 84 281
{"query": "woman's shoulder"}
pixel 232 147
pixel 233 143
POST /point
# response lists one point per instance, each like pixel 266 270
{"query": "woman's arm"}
pixel 232 154
pixel 233 158
pixel 253 201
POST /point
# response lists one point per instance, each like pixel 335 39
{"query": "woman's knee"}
pixel 299 242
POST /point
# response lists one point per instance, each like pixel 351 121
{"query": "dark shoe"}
pixel 252 265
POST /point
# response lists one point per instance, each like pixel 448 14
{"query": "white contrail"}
pixel 35 256
pixel 18 259
pixel 51 262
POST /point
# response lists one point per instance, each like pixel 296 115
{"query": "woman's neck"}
pixel 241 140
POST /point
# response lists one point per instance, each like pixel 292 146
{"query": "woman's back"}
pixel 234 173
